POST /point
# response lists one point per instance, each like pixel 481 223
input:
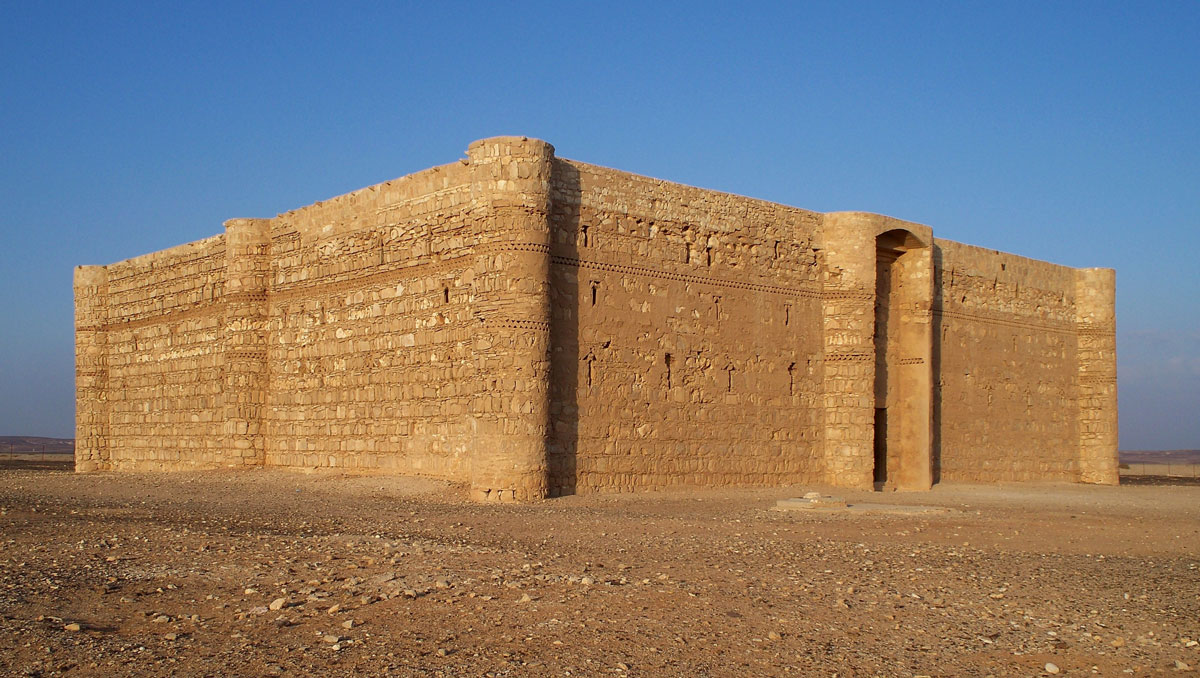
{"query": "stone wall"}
pixel 538 326
pixel 686 334
pixel 370 331
pixel 162 359
pixel 1008 346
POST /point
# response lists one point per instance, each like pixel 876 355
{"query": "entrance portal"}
pixel 903 377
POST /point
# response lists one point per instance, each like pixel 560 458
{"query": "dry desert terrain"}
pixel 265 573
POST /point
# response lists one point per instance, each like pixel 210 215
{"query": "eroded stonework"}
pixel 537 326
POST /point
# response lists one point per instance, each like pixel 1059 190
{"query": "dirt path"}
pixel 274 573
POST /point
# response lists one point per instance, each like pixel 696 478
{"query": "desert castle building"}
pixel 536 326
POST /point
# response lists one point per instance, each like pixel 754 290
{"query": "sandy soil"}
pixel 266 573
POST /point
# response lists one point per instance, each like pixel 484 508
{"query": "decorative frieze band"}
pixel 625 269
pixel 212 308
pixel 1008 321
pixel 847 295
pixel 245 297
pixel 247 355
pixel 850 356
pixel 517 324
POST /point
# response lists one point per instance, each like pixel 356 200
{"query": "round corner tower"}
pixel 510 190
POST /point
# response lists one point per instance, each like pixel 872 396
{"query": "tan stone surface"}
pixel 537 326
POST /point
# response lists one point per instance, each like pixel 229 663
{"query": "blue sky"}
pixel 1062 131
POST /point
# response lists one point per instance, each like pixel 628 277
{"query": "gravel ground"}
pixel 264 573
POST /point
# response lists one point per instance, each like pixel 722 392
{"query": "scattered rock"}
pixel 74 626
pixel 1051 668
pixel 278 604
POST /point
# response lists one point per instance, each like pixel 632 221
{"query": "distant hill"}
pixel 1160 456
pixel 36 445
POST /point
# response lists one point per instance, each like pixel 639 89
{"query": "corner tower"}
pixel 510 190
pixel 1095 318
pixel 91 369
pixel 247 269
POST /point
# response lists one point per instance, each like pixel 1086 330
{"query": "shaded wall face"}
pixel 1005 346
pixel 686 337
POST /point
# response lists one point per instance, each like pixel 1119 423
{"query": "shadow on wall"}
pixel 562 430
pixel 935 319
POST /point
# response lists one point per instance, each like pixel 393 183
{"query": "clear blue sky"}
pixel 1062 131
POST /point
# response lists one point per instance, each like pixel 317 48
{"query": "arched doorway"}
pixel 903 376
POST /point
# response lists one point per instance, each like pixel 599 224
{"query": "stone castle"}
pixel 536 326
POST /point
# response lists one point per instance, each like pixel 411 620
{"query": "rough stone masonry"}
pixel 536 326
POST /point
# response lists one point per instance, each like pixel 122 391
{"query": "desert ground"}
pixel 265 573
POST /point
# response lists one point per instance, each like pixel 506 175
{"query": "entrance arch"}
pixel 903 370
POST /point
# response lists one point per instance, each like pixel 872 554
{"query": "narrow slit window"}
pixel 445 295
pixel 708 256
pixel 595 290
pixel 667 361
pixel 787 318
pixel 792 379
pixel 729 382
pixel 584 235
